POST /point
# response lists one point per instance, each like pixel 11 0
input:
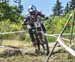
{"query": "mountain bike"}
pixel 40 37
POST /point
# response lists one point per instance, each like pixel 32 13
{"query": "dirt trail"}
pixel 59 55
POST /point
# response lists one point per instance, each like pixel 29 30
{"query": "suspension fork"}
pixel 37 41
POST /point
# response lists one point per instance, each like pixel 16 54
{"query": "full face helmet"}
pixel 32 10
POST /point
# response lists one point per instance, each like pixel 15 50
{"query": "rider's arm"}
pixel 26 21
pixel 42 15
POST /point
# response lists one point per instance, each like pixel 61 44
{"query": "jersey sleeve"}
pixel 41 15
pixel 26 21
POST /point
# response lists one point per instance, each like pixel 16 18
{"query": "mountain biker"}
pixel 33 14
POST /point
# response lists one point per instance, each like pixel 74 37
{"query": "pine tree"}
pixel 9 12
pixel 67 9
pixel 72 4
pixel 57 9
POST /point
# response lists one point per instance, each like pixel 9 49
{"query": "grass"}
pixel 58 57
pixel 15 42
pixel 30 56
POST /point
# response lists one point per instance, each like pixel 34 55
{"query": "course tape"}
pixel 22 31
pixel 68 49
pixel 3 33
pixel 53 35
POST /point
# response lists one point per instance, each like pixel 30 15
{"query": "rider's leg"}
pixel 42 41
pixel 31 35
pixel 38 42
pixel 33 39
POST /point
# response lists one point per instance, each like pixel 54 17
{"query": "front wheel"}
pixel 44 44
pixel 46 47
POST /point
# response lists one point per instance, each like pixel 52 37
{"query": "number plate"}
pixel 37 24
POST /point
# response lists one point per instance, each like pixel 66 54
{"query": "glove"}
pixel 45 18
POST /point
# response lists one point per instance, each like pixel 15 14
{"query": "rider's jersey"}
pixel 30 19
pixel 33 18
